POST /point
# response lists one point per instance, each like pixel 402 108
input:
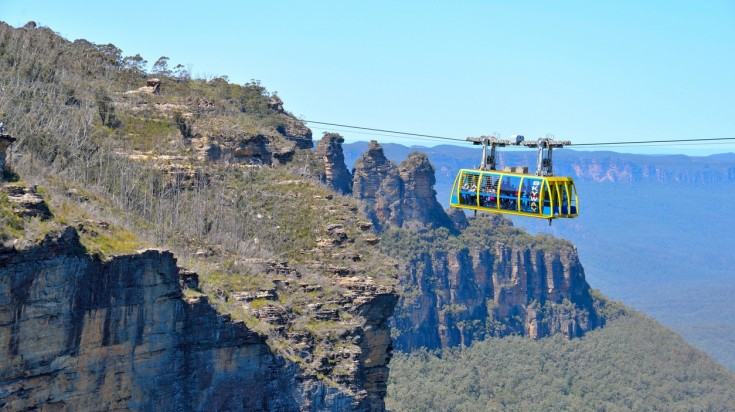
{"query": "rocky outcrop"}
pixel 80 333
pixel 247 149
pixel 26 201
pixel 454 297
pixel 297 132
pixel 291 128
pixel 378 184
pixel 336 175
pixel 401 196
pixel 152 86
pixel 458 218
pixel 494 285
pixel 419 197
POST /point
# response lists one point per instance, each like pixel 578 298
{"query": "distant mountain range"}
pixel 584 166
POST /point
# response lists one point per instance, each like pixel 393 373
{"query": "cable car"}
pixel 514 191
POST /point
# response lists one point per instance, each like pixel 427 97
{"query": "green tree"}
pixel 135 63
pixel 160 67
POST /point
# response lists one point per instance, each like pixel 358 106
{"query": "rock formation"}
pixel 79 333
pixel 256 149
pixel 152 86
pixel 336 175
pixel 500 281
pixel 419 197
pixel 458 218
pixel 292 128
pixel 402 196
pixel 376 182
pixel 26 201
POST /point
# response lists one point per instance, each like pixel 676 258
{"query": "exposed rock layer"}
pixel 78 333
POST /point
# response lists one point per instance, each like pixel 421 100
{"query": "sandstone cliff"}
pixel 80 333
pixel 491 280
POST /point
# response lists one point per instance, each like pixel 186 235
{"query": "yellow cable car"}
pixel 514 191
pixel 515 194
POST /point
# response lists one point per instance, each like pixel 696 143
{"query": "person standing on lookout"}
pixel 2 128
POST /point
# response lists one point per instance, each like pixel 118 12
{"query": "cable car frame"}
pixel 514 191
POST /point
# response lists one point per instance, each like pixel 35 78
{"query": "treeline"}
pixel 633 363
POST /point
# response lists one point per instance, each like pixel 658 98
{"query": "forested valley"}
pixel 632 363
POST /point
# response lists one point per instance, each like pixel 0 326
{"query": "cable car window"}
pixel 564 188
pixel 530 194
pixel 468 189
pixel 547 200
pixel 509 192
pixel 556 197
pixel 489 191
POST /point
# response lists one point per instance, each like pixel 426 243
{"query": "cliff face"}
pixel 78 333
pixel 403 195
pixel 248 149
pixel 456 295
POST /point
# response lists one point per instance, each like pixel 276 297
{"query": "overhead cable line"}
pixel 385 131
pixel 654 141
pixel 420 139
pixel 573 144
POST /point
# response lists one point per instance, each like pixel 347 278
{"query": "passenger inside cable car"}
pixel 504 192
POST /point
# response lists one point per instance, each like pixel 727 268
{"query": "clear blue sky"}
pixel 587 71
